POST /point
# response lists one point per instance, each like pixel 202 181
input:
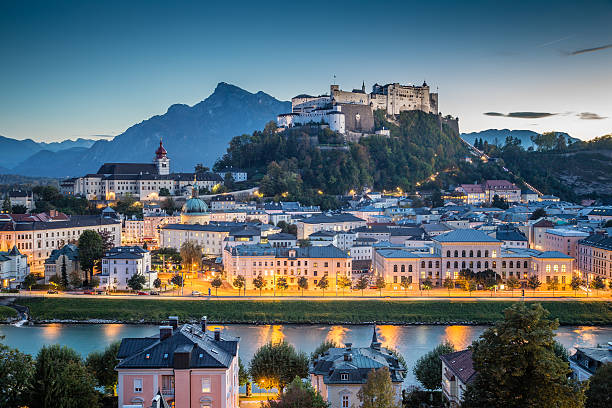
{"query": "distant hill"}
pixel 191 135
pixel 15 151
pixel 498 136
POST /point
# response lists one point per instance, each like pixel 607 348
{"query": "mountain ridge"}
pixel 498 136
pixel 191 135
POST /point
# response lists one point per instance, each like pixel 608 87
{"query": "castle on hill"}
pixel 352 112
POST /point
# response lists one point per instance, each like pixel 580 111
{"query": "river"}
pixel 411 341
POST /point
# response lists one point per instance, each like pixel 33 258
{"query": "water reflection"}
pixel 460 336
pixel 52 331
pixel 337 334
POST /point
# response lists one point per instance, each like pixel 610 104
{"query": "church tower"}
pixel 161 160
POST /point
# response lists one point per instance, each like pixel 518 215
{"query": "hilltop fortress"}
pixel 352 112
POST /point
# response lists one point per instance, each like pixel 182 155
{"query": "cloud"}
pixel 584 51
pixel 590 116
pixel 555 41
pixel 522 115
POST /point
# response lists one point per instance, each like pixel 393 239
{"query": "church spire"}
pixel 374 338
pixel 194 190
pixel 363 86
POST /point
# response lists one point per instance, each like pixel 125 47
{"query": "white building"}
pixel 333 116
pixel 121 263
pixel 13 268
pixel 457 373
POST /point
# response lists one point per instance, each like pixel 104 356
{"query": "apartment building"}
pixel 186 366
pixel 595 257
pixel 121 263
pixel 335 222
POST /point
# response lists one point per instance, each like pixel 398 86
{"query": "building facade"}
pixel 121 263
pixel 13 268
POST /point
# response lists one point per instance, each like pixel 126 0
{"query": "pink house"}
pixel 184 366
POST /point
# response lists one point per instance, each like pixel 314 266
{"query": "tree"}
pixel 322 348
pixel 298 394
pixel 533 283
pixel 216 283
pixel 599 391
pixel 191 255
pixel 362 283
pixel 239 283
pixel 281 284
pixel 164 192
pixel 380 284
pixel 64 273
pixel 169 206
pixel 16 377
pixel 490 282
pixel 598 284
pixel 157 283
pixel 243 374
pixel 553 285
pixel 74 279
pixel 136 282
pixel 513 283
pixel 343 282
pixel 91 249
pixel 274 365
pixel 6 204
pixel 537 214
pixel 378 390
pixel 521 344
pixel 62 380
pixel 108 240
pixel 228 181
pixel 177 280
pixel 608 224
pixel 449 284
pixel 56 280
pixel 29 281
pixel 259 283
pixel 428 368
pixel 101 364
pixel 427 284
pixel 303 243
pixel 302 283
pixel 19 209
pixel 469 285
pixel 499 202
pixel 575 284
pixel 405 283
pixel 323 284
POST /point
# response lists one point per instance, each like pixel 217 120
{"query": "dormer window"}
pixel 344 377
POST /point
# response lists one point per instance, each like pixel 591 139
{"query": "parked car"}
pixel 52 292
pixel 89 292
pixel 141 293
pixel 154 293
pixel 196 293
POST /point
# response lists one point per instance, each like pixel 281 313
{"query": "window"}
pixel 344 377
pixel 345 401
pixel 137 384
pixel 403 268
pixel 448 254
pixel 168 384
pixel 463 254
pixel 394 268
pixel 479 254
pixel 206 384
pixel 456 254
pixel 422 264
pixel 471 254
pixel 409 268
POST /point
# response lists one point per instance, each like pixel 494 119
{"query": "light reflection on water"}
pixel 411 341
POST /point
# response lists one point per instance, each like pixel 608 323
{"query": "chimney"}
pixel 165 332
pixel 203 324
pixel 173 320
pixel 348 346
pixel 217 335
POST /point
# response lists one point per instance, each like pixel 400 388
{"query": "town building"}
pixel 22 198
pixel 457 373
pixel 237 174
pixel 340 372
pixel 282 240
pixel 37 235
pixel 187 366
pixel 563 240
pixel 595 257
pixel 13 268
pixel 67 256
pixel 271 263
pixel 210 237
pixel 120 263
pixel 484 193
pixel 586 360
pixel 143 181
pixel 335 222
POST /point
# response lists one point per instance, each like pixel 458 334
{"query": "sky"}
pixel 91 69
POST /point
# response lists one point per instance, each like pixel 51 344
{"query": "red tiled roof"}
pixel 500 185
pixel 472 188
pixel 544 223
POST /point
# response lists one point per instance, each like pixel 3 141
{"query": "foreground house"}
pixel 184 366
pixel 339 373
pixel 13 268
pixel 457 373
pixel 587 360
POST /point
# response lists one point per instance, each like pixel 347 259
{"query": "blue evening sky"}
pixel 85 69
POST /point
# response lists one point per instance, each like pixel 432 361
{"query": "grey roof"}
pixel 510 235
pixel 328 219
pixel 465 235
pixel 203 350
pixel 600 241
pixel 70 251
pixel 553 254
pixel 356 363
pixel 328 251
pixel 281 236
pixel 127 168
pixel 75 221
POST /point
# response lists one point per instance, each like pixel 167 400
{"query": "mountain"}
pixel 15 151
pixel 191 135
pixel 498 136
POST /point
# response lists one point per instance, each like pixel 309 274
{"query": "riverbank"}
pixel 45 310
pixel 7 314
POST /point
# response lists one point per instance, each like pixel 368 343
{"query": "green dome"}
pixel 195 206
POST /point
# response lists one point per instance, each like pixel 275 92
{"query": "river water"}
pixel 411 341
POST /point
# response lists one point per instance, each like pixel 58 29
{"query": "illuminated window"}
pixel 137 384
pixel 205 384
pixel 547 268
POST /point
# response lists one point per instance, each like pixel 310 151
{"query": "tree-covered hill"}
pixel 306 162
